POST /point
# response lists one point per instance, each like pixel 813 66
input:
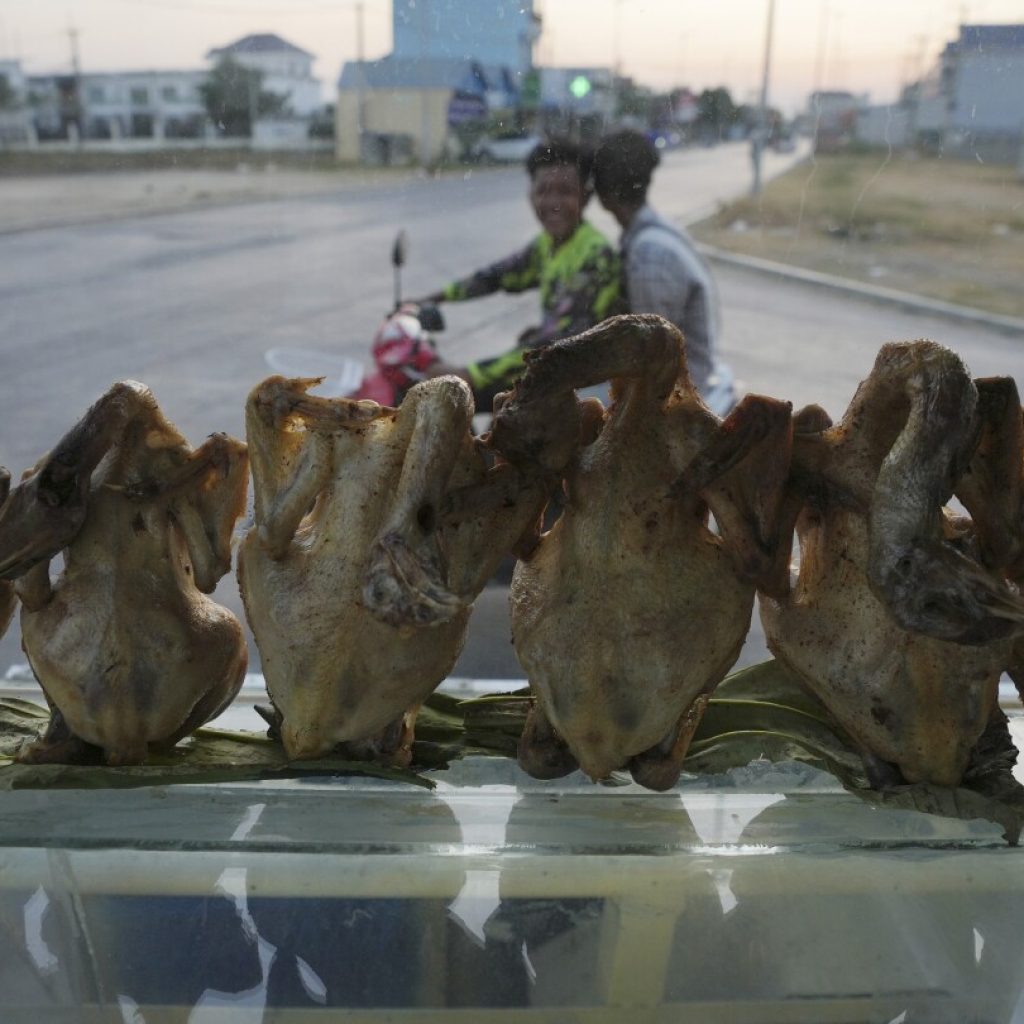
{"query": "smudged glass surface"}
pixel 764 894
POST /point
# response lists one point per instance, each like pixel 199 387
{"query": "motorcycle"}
pixel 403 350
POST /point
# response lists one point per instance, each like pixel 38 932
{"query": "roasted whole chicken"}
pixel 895 620
pixel 992 490
pixel 630 610
pixel 375 530
pixel 127 647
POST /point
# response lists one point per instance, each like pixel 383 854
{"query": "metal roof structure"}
pixel 262 42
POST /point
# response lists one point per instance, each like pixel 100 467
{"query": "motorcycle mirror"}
pixel 398 250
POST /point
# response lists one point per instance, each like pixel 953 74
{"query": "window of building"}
pixel 96 94
pixel 139 95
pixel 169 93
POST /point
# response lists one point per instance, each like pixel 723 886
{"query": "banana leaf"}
pixel 762 712
pixel 20 720
pixel 208 757
pixel 765 713
pixel 988 790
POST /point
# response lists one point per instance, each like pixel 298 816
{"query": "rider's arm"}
pixel 515 273
pixel 498 372
pixel 585 298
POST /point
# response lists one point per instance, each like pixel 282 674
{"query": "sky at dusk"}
pixel 869 46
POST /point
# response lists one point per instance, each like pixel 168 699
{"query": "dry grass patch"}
pixel 952 230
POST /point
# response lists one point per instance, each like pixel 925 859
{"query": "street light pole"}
pixel 761 132
pixel 617 56
pixel 76 73
pixel 361 80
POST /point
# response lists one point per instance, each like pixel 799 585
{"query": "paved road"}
pixel 794 342
pixel 189 302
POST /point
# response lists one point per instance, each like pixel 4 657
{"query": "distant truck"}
pixel 832 119
pixel 505 148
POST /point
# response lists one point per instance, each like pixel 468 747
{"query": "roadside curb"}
pixel 870 293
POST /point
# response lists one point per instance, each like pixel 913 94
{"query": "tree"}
pixel 634 100
pixel 8 97
pixel 716 112
pixel 321 123
pixel 232 94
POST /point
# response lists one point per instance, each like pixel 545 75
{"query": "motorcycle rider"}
pixel 664 273
pixel 570 261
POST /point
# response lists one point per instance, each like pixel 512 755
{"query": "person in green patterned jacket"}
pixel 570 261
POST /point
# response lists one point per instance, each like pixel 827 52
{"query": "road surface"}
pixel 189 302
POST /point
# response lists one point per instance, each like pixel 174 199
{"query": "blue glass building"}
pixel 492 32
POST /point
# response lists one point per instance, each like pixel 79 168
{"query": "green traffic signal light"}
pixel 579 86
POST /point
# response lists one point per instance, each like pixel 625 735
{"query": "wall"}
pixel 989 92
pixel 883 126
pixel 931 114
pixel 422 115
pixel 169 101
pixel 286 133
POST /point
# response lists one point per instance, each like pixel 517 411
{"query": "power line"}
pixel 199 6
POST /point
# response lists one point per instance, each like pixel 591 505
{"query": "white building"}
pixel 287 70
pixel 972 103
pixel 987 80
pixel 143 104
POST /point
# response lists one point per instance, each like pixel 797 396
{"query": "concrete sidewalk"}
pixel 30 203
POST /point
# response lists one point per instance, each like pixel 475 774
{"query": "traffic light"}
pixel 580 86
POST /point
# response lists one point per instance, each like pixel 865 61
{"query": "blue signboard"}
pixel 465 107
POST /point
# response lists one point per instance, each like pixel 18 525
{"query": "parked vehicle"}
pixel 506 148
pixel 403 349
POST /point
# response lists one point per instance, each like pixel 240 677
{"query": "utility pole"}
pixel 361 95
pixel 617 56
pixel 75 107
pixel 253 81
pixel 426 142
pixel 819 69
pixel 819 56
pixel 76 68
pixel 761 132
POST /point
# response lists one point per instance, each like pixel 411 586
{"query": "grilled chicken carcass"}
pixel 129 650
pixel 375 530
pixel 894 620
pixel 631 609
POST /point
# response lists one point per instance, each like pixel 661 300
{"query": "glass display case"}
pixel 164 227
pixel 768 894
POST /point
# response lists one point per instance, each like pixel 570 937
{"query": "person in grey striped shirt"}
pixel 664 272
